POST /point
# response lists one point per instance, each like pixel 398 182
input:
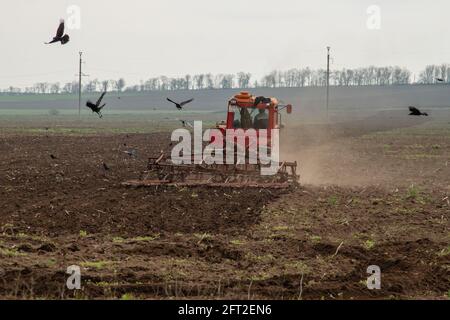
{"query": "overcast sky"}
pixel 138 39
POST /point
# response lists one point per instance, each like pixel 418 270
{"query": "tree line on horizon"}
pixel 292 78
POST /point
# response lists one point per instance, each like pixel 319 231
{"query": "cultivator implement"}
pixel 162 171
pixel 246 113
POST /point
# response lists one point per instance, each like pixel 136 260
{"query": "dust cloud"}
pixel 336 153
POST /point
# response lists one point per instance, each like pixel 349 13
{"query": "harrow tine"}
pixel 159 159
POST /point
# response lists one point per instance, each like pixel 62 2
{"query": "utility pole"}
pixel 79 86
pixel 328 81
pixel 80 74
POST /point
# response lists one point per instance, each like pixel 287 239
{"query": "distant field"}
pixel 119 121
pixel 60 96
pixel 150 112
pixel 346 103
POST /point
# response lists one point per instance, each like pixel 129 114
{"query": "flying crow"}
pixel 97 108
pixel 60 36
pixel 416 112
pixel 180 105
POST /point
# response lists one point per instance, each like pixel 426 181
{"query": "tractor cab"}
pixel 246 111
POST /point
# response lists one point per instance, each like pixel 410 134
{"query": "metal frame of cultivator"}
pixel 243 173
pixel 162 171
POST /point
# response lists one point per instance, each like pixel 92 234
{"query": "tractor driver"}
pixel 261 120
pixel 246 119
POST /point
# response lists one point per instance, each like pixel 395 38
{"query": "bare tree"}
pixel 120 84
pixel 105 85
pixel 209 81
pixel 55 88
pixel 199 81
pixel 67 88
pixel 269 80
pixel 91 87
pixel 243 79
pixel 187 84
pixel 113 85
pixel 427 76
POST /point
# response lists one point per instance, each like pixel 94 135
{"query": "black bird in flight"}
pixel 105 166
pixel 60 36
pixel 97 108
pixel 53 157
pixel 180 105
pixel 416 112
pixel 439 79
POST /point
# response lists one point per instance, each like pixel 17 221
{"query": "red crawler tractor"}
pixel 245 112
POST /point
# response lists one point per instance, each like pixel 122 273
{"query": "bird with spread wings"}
pixel 416 112
pixel 181 104
pixel 97 108
pixel 60 36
